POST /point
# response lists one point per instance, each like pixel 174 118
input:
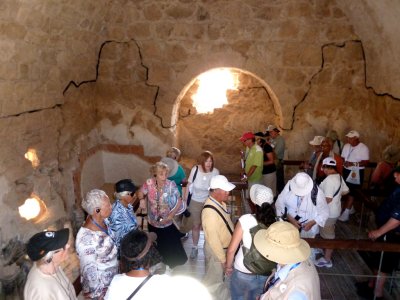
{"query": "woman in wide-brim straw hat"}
pixel 296 274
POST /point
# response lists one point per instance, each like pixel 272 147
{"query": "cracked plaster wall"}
pixel 93 72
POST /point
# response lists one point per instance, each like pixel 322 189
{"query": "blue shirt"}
pixel 122 220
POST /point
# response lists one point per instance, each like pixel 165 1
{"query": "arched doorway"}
pixel 251 106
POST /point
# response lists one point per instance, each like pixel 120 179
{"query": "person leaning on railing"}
pixel 388 222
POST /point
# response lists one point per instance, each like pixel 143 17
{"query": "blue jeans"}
pixel 246 287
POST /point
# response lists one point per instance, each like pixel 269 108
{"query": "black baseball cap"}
pixel 125 185
pixel 43 242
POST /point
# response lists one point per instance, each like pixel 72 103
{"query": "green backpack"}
pixel 253 260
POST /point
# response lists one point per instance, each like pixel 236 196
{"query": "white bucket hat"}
pixel 301 184
pixel 260 194
pixel 281 243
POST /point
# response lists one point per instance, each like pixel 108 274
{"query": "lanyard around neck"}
pixel 99 226
pixel 219 205
pixel 272 282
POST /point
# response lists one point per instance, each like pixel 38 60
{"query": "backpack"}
pixel 252 259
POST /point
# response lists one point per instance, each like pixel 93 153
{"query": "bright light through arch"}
pixel 211 92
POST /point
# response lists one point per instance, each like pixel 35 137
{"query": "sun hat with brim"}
pixel 151 238
pixel 172 165
pixel 260 194
pixel 301 184
pixel 317 140
pixel 391 154
pixel 281 243
pixel 221 182
pixel 43 242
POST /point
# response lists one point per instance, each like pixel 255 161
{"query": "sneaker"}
pixel 344 217
pixel 318 251
pixel 322 262
pixel 194 253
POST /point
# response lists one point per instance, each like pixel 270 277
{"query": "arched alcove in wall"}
pixel 252 105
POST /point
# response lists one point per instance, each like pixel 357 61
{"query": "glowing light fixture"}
pixel 33 208
pixel 211 92
pixel 32 157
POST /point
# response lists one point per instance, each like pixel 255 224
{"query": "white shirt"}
pixel 122 286
pixel 355 154
pixel 199 188
pixel 330 186
pixel 246 222
pixel 304 208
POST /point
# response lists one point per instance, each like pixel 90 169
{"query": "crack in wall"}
pixel 77 85
pixel 339 45
pixel 31 111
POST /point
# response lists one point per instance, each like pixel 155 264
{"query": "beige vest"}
pixel 304 278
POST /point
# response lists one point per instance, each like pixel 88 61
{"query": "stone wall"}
pixel 75 75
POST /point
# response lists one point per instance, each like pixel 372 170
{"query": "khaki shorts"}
pixel 328 231
pixel 195 209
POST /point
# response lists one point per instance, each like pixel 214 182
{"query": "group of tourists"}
pixel 263 255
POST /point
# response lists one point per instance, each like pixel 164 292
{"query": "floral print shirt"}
pixel 122 220
pixel 159 205
pixel 98 261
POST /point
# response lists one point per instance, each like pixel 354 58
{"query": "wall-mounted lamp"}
pixel 33 208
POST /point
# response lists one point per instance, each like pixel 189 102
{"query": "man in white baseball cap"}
pixel 218 229
pixel 333 187
pixel 356 157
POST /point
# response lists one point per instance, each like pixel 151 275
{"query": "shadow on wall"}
pixel 107 164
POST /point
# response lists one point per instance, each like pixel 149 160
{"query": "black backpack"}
pixel 252 259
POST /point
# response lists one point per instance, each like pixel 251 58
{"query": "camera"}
pixel 186 213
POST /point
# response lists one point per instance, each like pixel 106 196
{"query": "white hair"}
pixel 121 194
pixel 94 199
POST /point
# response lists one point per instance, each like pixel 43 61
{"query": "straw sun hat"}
pixel 281 243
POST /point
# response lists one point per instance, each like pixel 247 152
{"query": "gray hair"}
pixel 173 153
pixel 47 258
pixel 94 199
pixel 121 194
pixel 158 166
